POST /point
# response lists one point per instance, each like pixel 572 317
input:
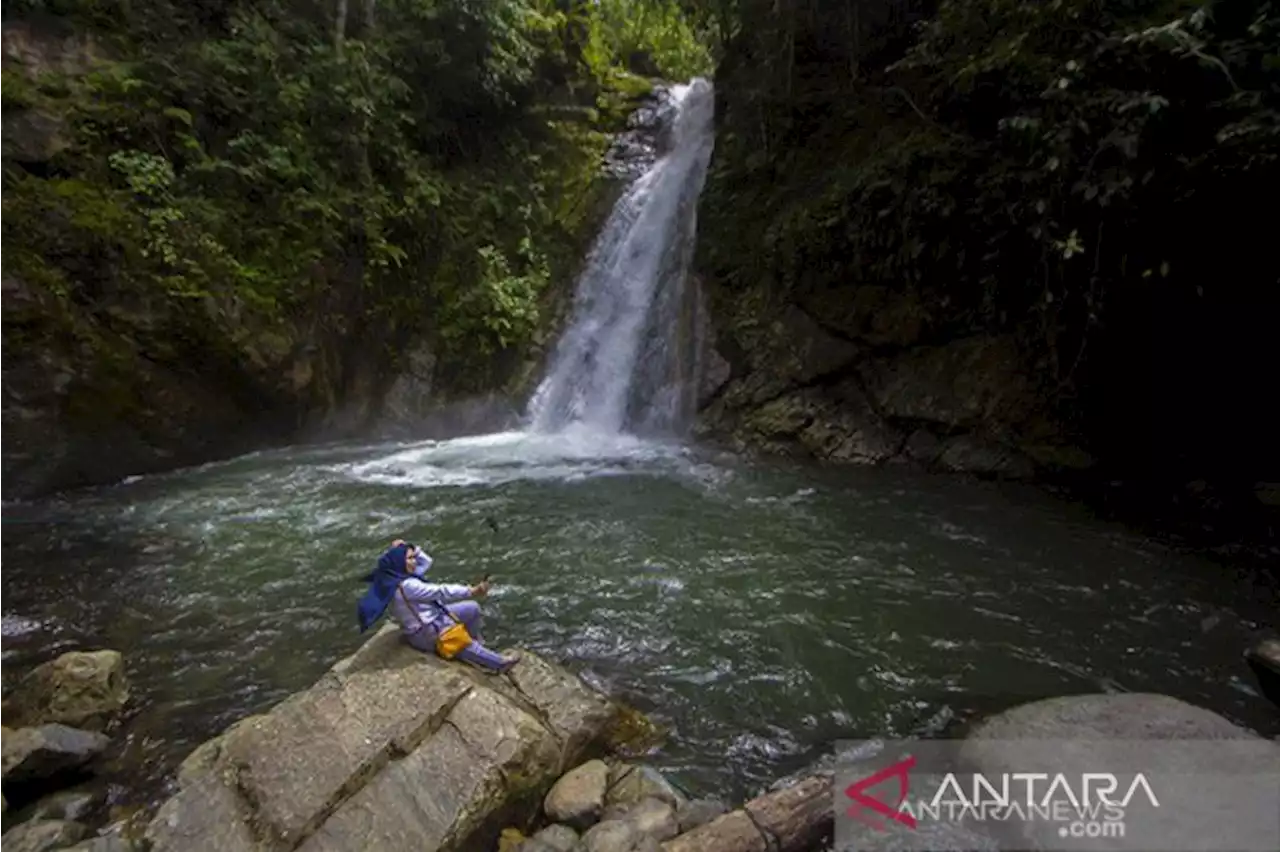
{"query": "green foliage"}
pixel 269 169
pixel 503 308
pixel 1026 166
pixel 657 36
pixel 16 90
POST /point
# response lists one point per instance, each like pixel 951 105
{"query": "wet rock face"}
pixel 85 689
pixel 647 137
pixel 31 135
pixel 392 749
pixel 865 384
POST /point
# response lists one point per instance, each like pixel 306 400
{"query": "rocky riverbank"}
pixel 55 735
pixel 393 749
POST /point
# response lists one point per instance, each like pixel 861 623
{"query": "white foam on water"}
pixel 572 454
pixel 624 364
pixel 14 626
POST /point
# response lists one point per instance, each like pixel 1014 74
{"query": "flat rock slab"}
pixel 1213 785
pixel 392 749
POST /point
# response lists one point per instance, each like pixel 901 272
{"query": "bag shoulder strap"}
pixel 409 605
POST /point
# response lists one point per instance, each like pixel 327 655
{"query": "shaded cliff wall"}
pixel 1021 239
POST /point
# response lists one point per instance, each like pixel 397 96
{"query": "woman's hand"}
pixel 480 590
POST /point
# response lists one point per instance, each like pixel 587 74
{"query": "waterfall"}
pixel 628 360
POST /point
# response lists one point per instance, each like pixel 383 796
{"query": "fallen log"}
pixel 794 819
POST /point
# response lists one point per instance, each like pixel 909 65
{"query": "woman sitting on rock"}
pixel 425 610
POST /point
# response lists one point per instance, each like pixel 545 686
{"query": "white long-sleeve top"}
pixel 421 608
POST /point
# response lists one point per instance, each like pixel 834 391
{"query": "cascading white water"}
pixel 628 359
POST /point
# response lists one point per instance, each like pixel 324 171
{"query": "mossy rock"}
pixel 633 733
pixel 17 90
pixel 510 839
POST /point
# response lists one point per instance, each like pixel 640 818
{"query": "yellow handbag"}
pixel 452 640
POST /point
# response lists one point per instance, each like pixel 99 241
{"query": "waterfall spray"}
pixel 627 361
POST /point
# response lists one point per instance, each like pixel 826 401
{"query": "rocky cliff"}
pixel 1010 238
pixel 874 389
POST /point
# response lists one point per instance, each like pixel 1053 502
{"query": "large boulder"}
pixel 629 783
pixel 392 749
pixel 34 754
pixel 1216 784
pixel 578 798
pixel 84 689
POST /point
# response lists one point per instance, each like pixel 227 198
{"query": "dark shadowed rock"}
pixel 34 754
pixel 923 446
pixel 72 805
pixel 833 424
pixel 965 383
pixel 1264 659
pixel 31 136
pixel 972 454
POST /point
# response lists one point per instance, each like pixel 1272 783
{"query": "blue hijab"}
pixel 383 582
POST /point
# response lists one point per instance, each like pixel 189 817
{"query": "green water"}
pixel 760 610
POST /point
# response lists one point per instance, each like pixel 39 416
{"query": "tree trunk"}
pixel 791 820
pixel 340 27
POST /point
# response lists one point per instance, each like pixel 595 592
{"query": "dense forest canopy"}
pixel 230 181
pixel 340 164
pixel 1091 175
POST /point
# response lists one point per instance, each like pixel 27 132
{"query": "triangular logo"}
pixel 857 791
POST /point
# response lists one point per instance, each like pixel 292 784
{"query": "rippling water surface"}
pixel 761 611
